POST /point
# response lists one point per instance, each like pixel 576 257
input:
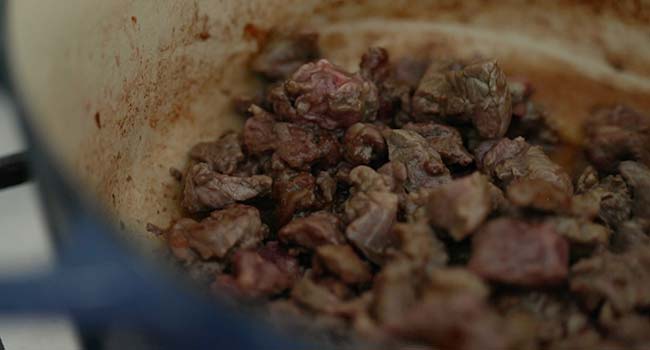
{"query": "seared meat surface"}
pixel 413 204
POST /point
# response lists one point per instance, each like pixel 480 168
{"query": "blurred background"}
pixel 26 247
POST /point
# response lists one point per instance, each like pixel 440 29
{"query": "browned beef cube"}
pixel 516 252
pixel 326 95
pixel 418 242
pixel 293 193
pixel 343 262
pixel 207 190
pixel 423 164
pixel 363 143
pixel 223 155
pixel 445 140
pixel 581 232
pixel 478 92
pixel 313 231
pixel 371 217
pixel 508 161
pixel 621 280
pixel 255 276
pixel 314 296
pixel 458 322
pixel 538 194
pixel 461 206
pixel 609 199
pixel 215 236
pixel 616 134
pixel 395 290
pixel 637 176
pixel 258 134
pixel 302 146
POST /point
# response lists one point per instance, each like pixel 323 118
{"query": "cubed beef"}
pixel 630 328
pixel 314 296
pixel 313 231
pixel 452 281
pixel 281 54
pixel 363 143
pixel 629 235
pixel 538 194
pixel 334 285
pixel 457 322
pixel 478 92
pixel 371 216
pixel 280 257
pixel 357 306
pixel 258 134
pixel 423 164
pixel 516 252
pixel 301 146
pixel 395 290
pixel 343 262
pixel 587 179
pixel 252 166
pixel 580 231
pixel 326 95
pixel 418 242
pixel 255 276
pixel 637 176
pixel 207 190
pixel 445 140
pixel 364 179
pixel 397 173
pixel 394 88
pixel 461 206
pixel 589 340
pixel 609 199
pixel 415 205
pixel 555 316
pixel 621 280
pixel 222 155
pixel 293 192
pixel 614 200
pixel 178 242
pixel 215 236
pixel 489 154
pixel 353 201
pixel 326 186
pixel 616 134
pixel 498 199
pixel 508 160
pixel 343 172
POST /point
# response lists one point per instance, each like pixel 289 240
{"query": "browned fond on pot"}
pixel 122 89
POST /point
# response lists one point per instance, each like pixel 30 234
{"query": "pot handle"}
pixel 99 283
pixel 14 170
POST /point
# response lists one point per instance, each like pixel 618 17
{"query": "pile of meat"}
pixel 412 203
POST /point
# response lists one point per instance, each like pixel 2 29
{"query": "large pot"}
pixel 119 90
